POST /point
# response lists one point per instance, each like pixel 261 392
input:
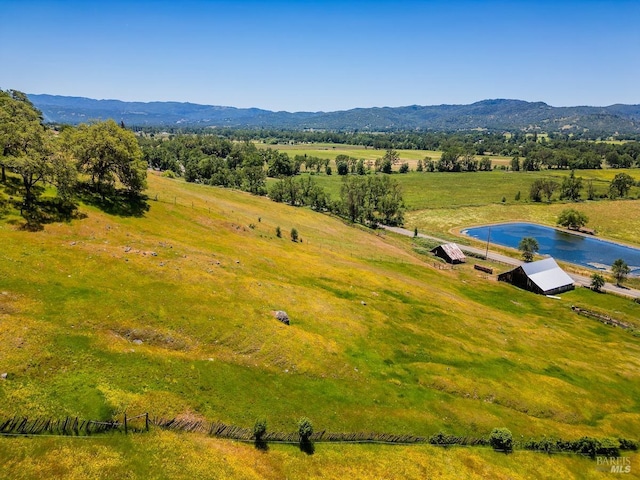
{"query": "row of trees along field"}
pixel 101 163
pixel 533 151
pixel 207 159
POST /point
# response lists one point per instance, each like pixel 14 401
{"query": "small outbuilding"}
pixel 544 277
pixel 449 252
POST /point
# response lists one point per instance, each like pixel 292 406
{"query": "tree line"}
pixel 102 159
pixel 533 150
pixel 365 197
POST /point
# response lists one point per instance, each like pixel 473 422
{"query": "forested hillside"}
pixel 510 115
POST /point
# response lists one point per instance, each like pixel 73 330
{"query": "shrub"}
pixel 169 174
pixel 586 446
pixel 518 196
pixel 278 232
pixel 404 168
pixel 546 445
pixel 294 235
pixel 627 444
pixel 597 281
pixel 608 447
pixel 444 440
pixel 501 440
pixel 305 429
pixel 259 429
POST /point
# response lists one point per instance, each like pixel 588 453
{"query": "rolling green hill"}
pixel 172 313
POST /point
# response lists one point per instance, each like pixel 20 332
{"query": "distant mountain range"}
pixel 487 114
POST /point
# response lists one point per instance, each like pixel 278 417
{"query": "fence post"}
pixel 125 423
pixel 146 421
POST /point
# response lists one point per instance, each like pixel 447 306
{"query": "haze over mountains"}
pixel 497 114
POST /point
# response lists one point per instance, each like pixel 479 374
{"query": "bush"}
pixel 586 446
pixel 546 445
pixel 294 235
pixel 608 447
pixel 305 429
pixel 597 281
pixel 501 440
pixel 259 429
pixel 404 168
pixel 278 232
pixel 627 444
pixel 444 440
pixel 169 174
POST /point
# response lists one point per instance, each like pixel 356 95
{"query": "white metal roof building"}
pixel 544 276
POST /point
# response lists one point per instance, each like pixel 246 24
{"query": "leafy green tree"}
pixel 19 121
pixel 392 156
pixel 27 149
pixel 620 185
pixel 548 188
pixel 294 235
pixel 620 270
pixel 384 165
pixel 540 187
pixel 591 191
pixel 259 429
pixel 253 173
pixel 572 219
pixel 280 165
pixel 485 165
pixel 420 166
pixel 342 166
pixel 535 191
pixel 404 168
pixel 107 153
pixel 597 281
pixel 305 429
pixel 528 246
pixel 449 160
pixel 571 187
pixel 515 164
pixel 501 440
pixel 278 232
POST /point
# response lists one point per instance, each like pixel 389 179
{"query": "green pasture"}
pixel 369 154
pixel 165 455
pixel 172 313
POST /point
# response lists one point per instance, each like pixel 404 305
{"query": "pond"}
pixel 582 250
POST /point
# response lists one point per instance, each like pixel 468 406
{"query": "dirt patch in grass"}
pixel 148 336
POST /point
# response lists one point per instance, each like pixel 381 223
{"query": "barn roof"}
pixel 453 251
pixel 546 274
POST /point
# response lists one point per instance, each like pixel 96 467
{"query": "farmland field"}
pixel 172 313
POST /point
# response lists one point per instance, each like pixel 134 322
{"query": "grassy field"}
pixel 331 150
pixel 165 455
pixel 172 313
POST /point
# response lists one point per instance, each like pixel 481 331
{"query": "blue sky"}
pixel 324 55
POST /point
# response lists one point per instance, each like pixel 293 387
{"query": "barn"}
pixel 450 252
pixel 544 277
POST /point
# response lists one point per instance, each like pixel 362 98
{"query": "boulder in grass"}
pixel 282 316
